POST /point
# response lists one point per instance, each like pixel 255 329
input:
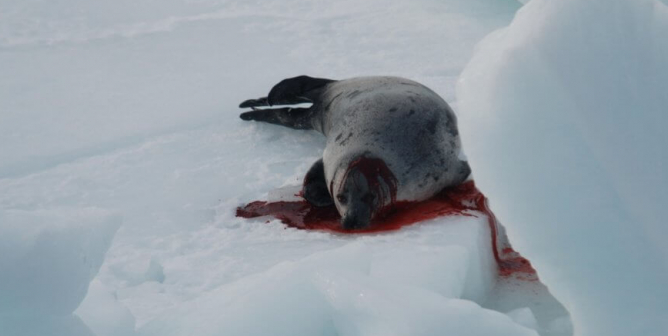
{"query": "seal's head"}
pixel 363 191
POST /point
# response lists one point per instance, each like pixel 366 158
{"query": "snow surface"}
pixel 563 117
pixel 129 108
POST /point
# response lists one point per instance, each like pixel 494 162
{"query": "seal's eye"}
pixel 341 198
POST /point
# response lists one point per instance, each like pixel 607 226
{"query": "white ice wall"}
pixel 48 258
pixel 374 285
pixel 563 115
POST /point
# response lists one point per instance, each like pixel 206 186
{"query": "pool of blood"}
pixel 463 200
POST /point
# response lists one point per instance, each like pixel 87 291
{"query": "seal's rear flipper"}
pixel 315 186
pixel 297 118
pixel 254 103
pixel 296 90
pixel 263 101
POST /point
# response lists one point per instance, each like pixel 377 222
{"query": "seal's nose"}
pixel 356 220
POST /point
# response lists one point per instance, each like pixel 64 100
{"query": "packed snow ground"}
pixel 128 110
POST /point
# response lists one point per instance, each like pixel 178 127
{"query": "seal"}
pixel 389 139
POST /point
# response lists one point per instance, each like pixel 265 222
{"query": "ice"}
pixel 442 270
pixel 104 314
pixel 563 117
pixel 524 316
pixel 349 291
pixel 367 306
pixel 279 301
pixel 155 271
pixel 69 325
pixel 47 258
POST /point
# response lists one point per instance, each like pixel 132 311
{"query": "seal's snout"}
pixel 356 219
pixel 367 187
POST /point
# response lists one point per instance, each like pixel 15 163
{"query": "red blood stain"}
pixel 463 200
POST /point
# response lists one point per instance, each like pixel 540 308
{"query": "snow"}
pixel 128 109
pixel 114 75
pixel 563 117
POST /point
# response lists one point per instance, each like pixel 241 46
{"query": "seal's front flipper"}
pixel 315 186
pixel 463 172
pixel 297 118
pixel 297 89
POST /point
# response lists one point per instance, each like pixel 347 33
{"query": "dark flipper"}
pixel 296 90
pixel 254 103
pixel 261 102
pixel 464 171
pixel 315 186
pixel 297 118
